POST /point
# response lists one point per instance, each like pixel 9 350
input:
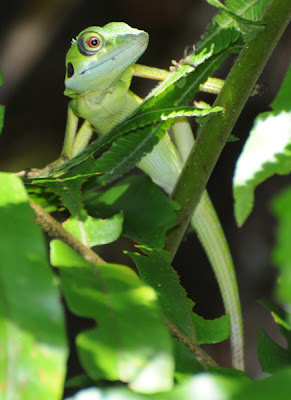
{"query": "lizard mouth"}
pixel 71 70
pixel 96 65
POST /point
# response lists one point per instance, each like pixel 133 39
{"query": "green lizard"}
pixel 99 68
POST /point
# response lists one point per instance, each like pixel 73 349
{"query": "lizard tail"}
pixel 210 233
pixel 163 165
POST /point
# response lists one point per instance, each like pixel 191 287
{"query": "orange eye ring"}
pixel 93 42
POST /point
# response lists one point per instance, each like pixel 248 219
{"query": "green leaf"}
pixel 151 116
pixel 248 27
pixel 211 331
pixel 272 356
pixel 79 381
pixel 204 386
pixel 280 317
pixel 33 347
pixel 143 205
pixel 127 150
pixel 131 342
pixel 276 387
pixel 90 231
pixel 238 18
pixel 148 117
pixel 282 101
pixel 69 189
pixel 155 269
pixel 281 254
pixel 115 297
pixel 44 197
pixel 266 152
pixel 208 386
pixel 93 231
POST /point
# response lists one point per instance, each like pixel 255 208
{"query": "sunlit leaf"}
pixel 33 348
pixel 202 386
pixel 267 151
pixel 130 342
pixel 94 231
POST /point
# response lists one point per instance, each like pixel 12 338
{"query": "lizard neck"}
pixel 105 110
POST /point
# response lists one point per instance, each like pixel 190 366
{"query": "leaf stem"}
pixel 214 133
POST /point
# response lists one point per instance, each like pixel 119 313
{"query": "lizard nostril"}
pixel 70 70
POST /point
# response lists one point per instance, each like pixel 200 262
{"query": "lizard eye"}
pixel 93 42
pixel 89 43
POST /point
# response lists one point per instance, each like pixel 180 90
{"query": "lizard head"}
pixel 100 55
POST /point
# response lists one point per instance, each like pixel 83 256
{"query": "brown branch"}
pixel 201 356
pixel 56 230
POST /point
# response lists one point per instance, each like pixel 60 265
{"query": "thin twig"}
pixel 55 229
pixel 201 356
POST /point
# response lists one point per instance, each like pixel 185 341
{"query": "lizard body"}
pixel 99 68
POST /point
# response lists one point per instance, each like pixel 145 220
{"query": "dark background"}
pixel 34 39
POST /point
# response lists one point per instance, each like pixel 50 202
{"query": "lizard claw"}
pixel 36 172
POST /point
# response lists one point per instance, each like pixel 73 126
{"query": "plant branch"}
pixel 215 132
pixel 56 230
pixel 201 356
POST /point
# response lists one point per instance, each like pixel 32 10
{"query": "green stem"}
pixel 214 133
